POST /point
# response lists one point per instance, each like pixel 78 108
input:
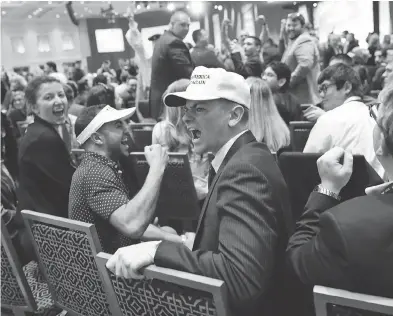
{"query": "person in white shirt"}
pixel 346 123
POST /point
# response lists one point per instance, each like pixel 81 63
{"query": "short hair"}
pixel 282 71
pixel 385 121
pixel 52 65
pixel 341 73
pixel 69 92
pixel 74 87
pixel 176 14
pixel 257 41
pixel 33 87
pixel 86 116
pixel 100 79
pixel 101 94
pixel 18 87
pixel 296 16
pixel 343 58
pixel 362 72
pixel 196 35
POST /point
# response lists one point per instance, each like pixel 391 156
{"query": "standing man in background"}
pixel 302 57
pixel 171 61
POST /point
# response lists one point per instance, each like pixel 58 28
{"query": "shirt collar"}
pixel 351 99
pixel 92 156
pixel 220 156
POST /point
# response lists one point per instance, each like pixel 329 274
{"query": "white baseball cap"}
pixel 106 115
pixel 212 84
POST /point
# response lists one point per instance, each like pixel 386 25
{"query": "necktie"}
pixel 65 135
pixel 212 174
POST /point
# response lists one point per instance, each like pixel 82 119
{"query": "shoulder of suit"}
pixel 363 207
pixel 251 153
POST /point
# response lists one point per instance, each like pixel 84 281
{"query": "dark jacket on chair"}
pixel 253 67
pixel 347 246
pixel 45 170
pixel 171 61
pixel 242 231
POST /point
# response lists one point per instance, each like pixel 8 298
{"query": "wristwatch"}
pixel 319 188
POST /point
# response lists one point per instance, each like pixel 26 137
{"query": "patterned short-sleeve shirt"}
pixel 97 190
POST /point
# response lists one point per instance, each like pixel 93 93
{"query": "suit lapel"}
pixel 244 139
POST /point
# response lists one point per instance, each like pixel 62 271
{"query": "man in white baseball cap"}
pixel 245 221
pixel 105 194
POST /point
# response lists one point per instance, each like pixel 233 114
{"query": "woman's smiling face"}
pixel 51 103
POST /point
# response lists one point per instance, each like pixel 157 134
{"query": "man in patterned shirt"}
pixel 99 193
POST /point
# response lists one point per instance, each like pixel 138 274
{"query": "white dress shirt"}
pixel 220 156
pixel 348 126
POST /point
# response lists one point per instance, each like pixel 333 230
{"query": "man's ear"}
pixel 281 82
pixel 236 115
pixel 347 87
pixel 96 139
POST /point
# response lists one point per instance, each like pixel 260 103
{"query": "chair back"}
pixel 142 134
pixel 166 292
pixel 15 290
pixel 301 175
pixel 66 251
pixel 178 198
pixel 329 301
pixel 299 132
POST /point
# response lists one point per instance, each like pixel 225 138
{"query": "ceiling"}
pixel 48 10
pixel 43 10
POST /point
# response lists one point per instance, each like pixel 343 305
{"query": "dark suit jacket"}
pixel 252 68
pixel 201 56
pixel 171 61
pixel 348 246
pixel 242 230
pixel 45 170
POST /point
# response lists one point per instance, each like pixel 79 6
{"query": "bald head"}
pixel 180 24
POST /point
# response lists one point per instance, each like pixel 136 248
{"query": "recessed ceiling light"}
pixel 138 6
pixel 49 2
pixel 29 16
pixel 57 15
pixel 82 2
pixel 3 12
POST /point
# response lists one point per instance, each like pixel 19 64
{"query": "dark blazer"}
pixel 45 170
pixel 252 68
pixel 347 246
pixel 242 231
pixel 201 56
pixel 171 61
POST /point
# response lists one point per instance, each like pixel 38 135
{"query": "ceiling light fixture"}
pixel 197 7
pixel 58 16
pixel 315 5
pixel 220 7
pixel 171 7
pixel 3 12
pixel 29 16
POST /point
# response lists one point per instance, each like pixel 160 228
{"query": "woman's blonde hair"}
pixel 177 134
pixel 265 121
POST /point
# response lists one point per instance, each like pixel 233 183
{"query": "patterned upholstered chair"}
pixel 22 288
pixel 66 252
pixel 166 292
pixel 334 302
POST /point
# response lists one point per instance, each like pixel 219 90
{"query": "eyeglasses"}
pixel 373 110
pixel 323 87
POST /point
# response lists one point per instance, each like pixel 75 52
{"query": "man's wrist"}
pixel 153 249
pixel 328 190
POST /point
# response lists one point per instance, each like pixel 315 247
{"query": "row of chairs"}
pixel 76 280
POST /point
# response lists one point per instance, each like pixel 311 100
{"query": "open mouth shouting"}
pixel 196 134
pixel 58 111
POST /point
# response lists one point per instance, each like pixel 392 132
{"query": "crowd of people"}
pixel 66 138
